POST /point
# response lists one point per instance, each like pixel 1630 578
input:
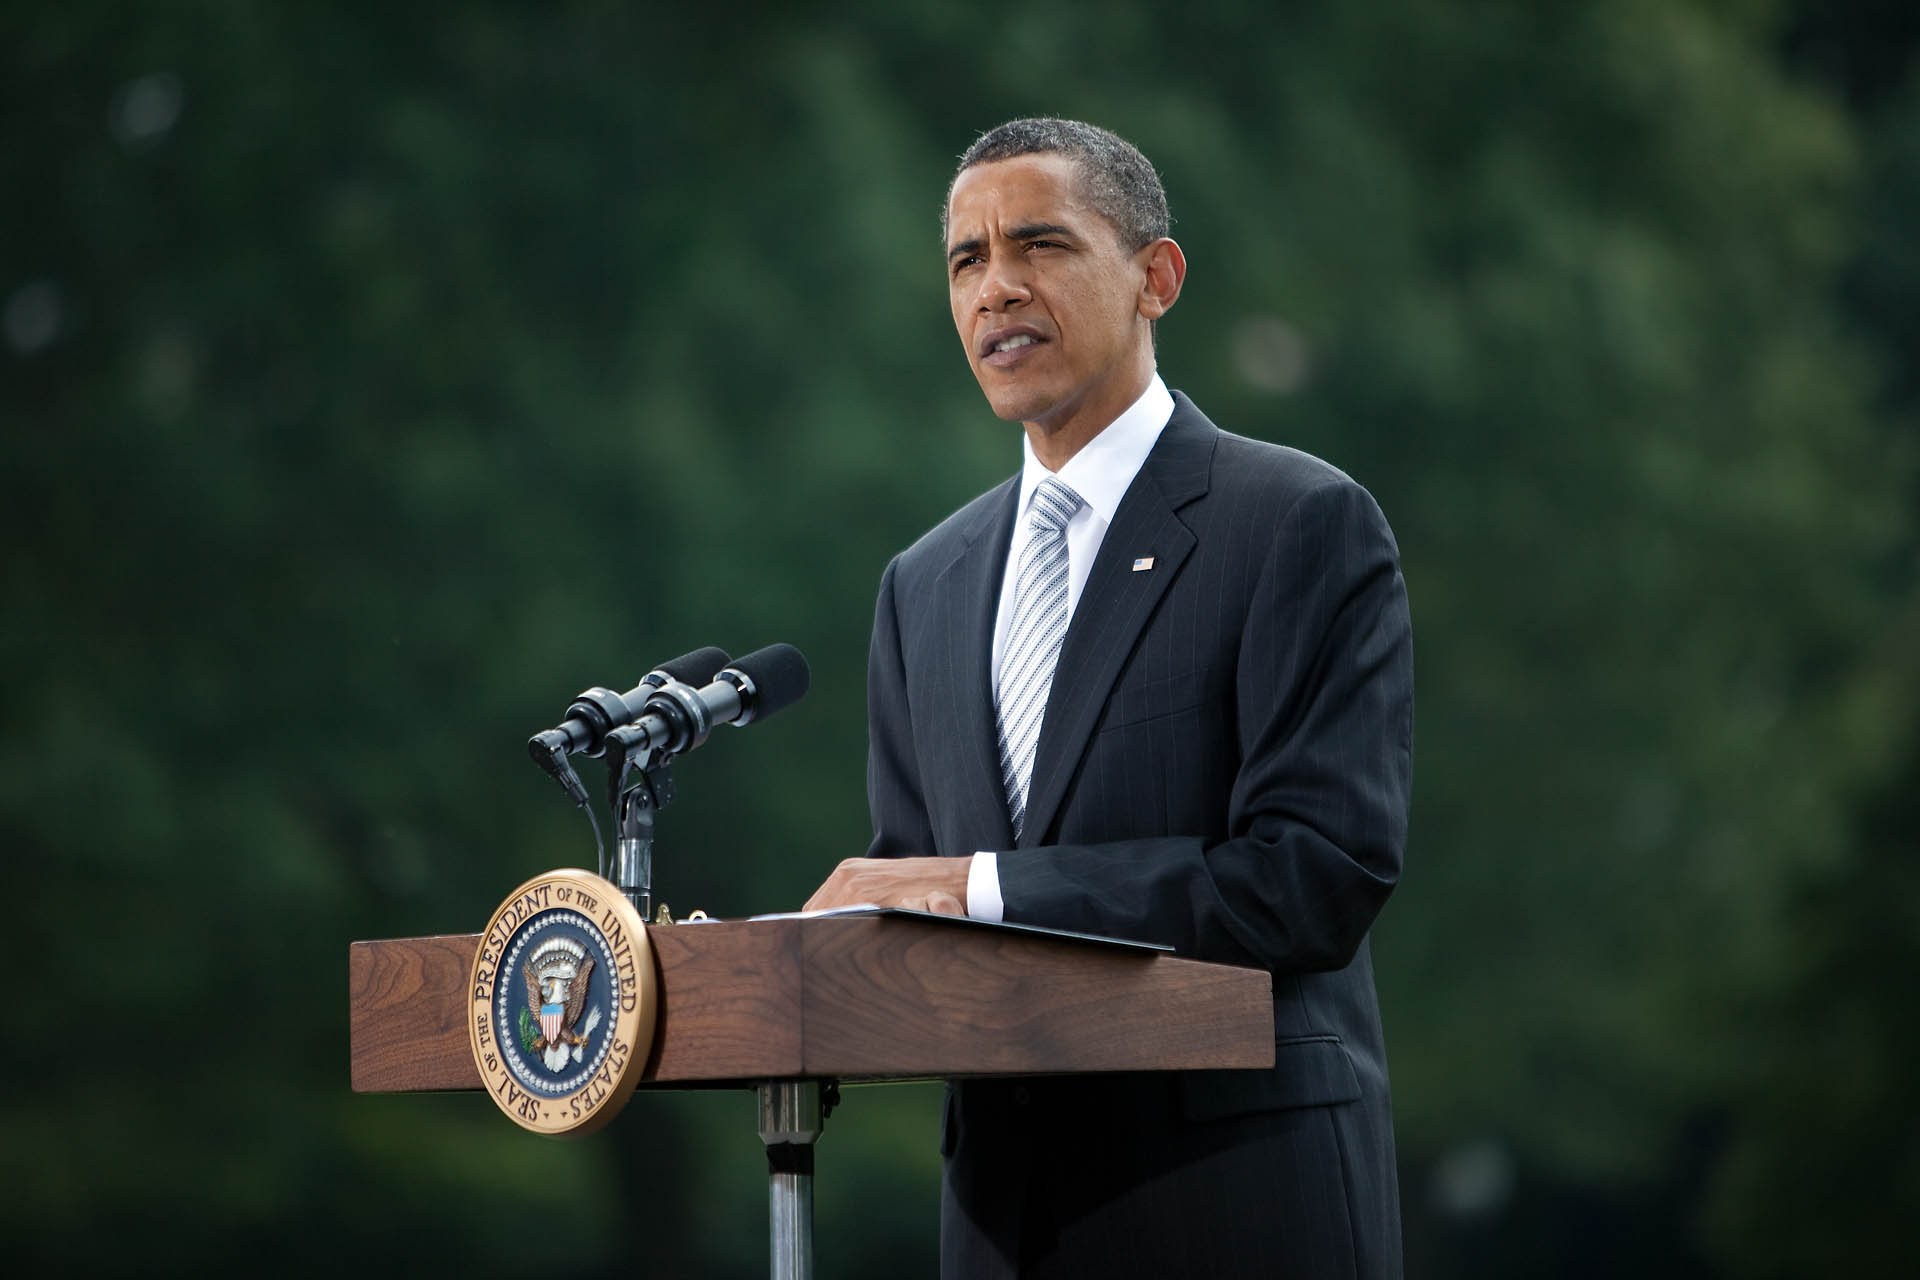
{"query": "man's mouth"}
pixel 1008 349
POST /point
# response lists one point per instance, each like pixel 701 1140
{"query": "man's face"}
pixel 1046 299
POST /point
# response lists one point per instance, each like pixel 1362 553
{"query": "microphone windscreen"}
pixel 780 678
pixel 696 668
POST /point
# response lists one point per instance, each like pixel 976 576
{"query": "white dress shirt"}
pixel 1100 473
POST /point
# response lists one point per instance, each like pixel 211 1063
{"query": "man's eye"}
pixel 1045 244
pixel 959 264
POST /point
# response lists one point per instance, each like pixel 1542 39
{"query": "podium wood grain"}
pixel 856 998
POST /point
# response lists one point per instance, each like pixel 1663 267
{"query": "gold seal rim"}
pixel 611 915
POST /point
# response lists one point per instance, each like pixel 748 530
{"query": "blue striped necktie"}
pixel 1033 645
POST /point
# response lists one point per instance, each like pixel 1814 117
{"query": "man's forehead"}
pixel 1024 190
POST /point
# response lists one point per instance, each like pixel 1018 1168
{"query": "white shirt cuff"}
pixel 983 888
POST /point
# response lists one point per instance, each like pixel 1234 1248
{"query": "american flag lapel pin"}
pixel 1143 564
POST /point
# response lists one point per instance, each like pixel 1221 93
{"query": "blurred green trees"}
pixel 377 378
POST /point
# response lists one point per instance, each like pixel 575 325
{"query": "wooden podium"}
pixel 787 1005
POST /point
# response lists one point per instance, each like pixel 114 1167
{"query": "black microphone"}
pixel 678 717
pixel 599 710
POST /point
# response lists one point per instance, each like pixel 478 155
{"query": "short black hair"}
pixel 1115 178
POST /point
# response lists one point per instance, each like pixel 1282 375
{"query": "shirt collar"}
pixel 1106 465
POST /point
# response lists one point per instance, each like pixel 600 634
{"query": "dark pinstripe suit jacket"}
pixel 1224 765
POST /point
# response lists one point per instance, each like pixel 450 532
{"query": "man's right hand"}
pixel 921 884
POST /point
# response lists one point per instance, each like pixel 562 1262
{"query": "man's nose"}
pixel 1004 284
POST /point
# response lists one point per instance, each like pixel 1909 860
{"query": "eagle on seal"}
pixel 557 992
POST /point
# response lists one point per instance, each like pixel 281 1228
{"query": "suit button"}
pixel 1020 1096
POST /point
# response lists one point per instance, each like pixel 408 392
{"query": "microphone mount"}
pixel 598 711
pixel 641 731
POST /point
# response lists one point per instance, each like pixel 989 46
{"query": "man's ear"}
pixel 1166 272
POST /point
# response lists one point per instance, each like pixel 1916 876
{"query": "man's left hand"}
pixel 922 884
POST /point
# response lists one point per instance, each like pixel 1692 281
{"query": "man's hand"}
pixel 923 884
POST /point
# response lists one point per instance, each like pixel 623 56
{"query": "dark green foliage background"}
pixel 432 364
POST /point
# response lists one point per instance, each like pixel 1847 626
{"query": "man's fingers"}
pixel 938 902
pixel 945 904
pixel 833 892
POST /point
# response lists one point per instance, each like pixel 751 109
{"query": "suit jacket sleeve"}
pixel 895 796
pixel 1321 702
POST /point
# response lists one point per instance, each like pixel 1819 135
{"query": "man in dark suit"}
pixel 1158 686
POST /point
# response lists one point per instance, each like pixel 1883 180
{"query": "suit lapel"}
pixel 1116 603
pixel 969 596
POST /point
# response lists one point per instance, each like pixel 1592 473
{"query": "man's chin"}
pixel 1015 408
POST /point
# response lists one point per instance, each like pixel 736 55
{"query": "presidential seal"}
pixel 563 1003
